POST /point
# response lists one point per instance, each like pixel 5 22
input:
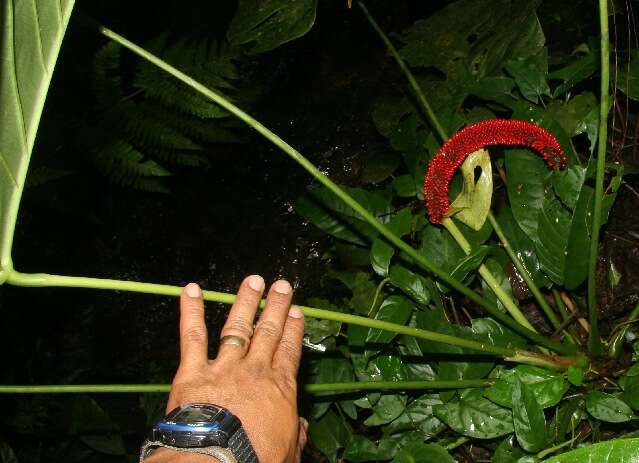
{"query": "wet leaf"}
pixel 360 449
pixel 582 67
pixel 477 42
pixel 612 451
pixel 423 453
pixel 381 255
pixel 389 407
pixel 479 418
pixel 264 25
pixel 497 334
pixel 316 330
pixel 628 81
pixel 324 210
pixel 607 407
pixel 507 452
pixel 547 386
pixel 530 74
pixel 630 395
pixel 412 284
pixel 329 434
pixel 419 416
pixel 523 246
pixel 528 418
pixel 470 263
pixel 567 418
pixel 395 309
pixel 575 375
pixel 528 179
pixel 472 206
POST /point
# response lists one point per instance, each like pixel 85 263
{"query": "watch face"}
pixel 196 425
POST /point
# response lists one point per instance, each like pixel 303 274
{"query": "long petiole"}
pixel 487 276
pixel 594 341
pixel 523 271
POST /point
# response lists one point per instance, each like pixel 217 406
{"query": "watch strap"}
pixel 224 455
pixel 240 445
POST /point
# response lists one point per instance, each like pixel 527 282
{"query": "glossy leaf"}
pixel 412 284
pixel 507 452
pixel 267 24
pixel 423 453
pixel 316 330
pixel 32 34
pixel 528 418
pixel 381 255
pixel 547 386
pixel 395 309
pixel 329 434
pixel 612 451
pixel 389 407
pixel 528 179
pixel 530 75
pixel 478 418
pixel 497 334
pixel 607 407
pixel 327 212
pixel 477 42
pixel 419 415
pixel 577 70
pixel 523 246
pixel 361 449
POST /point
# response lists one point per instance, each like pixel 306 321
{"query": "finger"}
pixel 193 335
pixel 286 360
pixel 268 330
pixel 302 435
pixel 240 320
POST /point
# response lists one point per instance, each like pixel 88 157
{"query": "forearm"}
pixel 173 456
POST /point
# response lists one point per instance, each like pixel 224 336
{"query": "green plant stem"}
pixel 418 258
pixel 409 75
pixel 456 443
pixel 541 300
pixel 594 341
pixel 43 279
pixel 614 349
pixel 396 385
pixel 488 277
pixel 551 450
pixel 309 388
pixel 561 307
pixel 508 354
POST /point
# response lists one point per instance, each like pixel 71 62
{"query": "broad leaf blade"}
pixel 32 34
pixel 612 451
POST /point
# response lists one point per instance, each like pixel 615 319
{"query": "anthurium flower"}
pixel 492 132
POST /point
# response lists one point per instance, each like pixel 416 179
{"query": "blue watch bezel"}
pixel 216 431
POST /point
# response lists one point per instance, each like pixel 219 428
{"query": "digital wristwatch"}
pixel 202 428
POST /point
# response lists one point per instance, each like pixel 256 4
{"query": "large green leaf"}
pixel 478 418
pixel 612 451
pixel 32 34
pixel 267 24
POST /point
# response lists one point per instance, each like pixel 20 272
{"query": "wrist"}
pixel 163 455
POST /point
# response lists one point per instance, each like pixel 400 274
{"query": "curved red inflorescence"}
pixel 491 132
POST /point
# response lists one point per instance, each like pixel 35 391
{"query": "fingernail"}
pixel 282 287
pixel 256 282
pixel 304 423
pixel 193 290
pixel 295 312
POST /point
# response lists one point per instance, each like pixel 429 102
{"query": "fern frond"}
pixel 107 83
pixel 126 166
pixel 209 62
pixel 144 128
pixel 200 130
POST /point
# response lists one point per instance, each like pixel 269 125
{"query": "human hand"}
pixel 257 381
